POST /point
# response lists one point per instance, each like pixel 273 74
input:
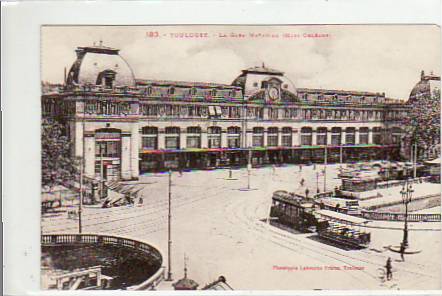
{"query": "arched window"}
pixel 321 136
pixel 286 137
pixel 363 135
pixel 258 137
pixel 306 136
pixel 193 139
pixel 233 137
pixel 336 136
pixel 350 135
pixel 272 137
pixel 172 137
pixel 214 137
pixel 149 137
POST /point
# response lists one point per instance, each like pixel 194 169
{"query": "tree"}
pixel 422 125
pixel 57 164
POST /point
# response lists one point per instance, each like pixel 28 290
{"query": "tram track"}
pixel 297 244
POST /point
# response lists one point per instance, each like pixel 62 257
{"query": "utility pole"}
pixel 325 168
pixel 415 161
pixel 169 243
pixel 101 170
pixel 81 197
pixel 249 168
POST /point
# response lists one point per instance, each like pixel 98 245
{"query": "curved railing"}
pixel 72 239
pixel 386 216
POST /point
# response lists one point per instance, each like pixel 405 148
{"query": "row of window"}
pixel 193 137
pixel 109 107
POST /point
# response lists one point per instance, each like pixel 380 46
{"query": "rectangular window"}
pixel 193 142
pixel 321 139
pixel 172 142
pixel 272 140
pixel 286 140
pixel 212 111
pixel 214 142
pixel 149 142
pixel 258 141
pixel 336 139
pixel 233 142
pixel 363 138
pixel 349 138
pixel 306 140
pixel 107 148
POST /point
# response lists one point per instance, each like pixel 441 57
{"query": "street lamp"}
pixel 407 195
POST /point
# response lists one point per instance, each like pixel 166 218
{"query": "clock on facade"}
pixel 273 93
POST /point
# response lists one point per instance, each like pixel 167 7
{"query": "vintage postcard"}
pixel 203 157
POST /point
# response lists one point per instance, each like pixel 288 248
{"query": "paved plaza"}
pixel 220 226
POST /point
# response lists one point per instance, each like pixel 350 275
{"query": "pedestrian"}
pixel 273 169
pixel 388 267
pixel 402 251
pixel 302 182
pixel 181 172
pixel 306 192
pixel 140 201
pixel 300 167
pixel 314 166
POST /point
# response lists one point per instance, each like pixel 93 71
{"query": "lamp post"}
pixel 407 195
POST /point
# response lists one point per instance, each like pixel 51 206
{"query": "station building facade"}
pixel 122 126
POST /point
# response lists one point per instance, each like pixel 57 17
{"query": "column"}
pixel 343 135
pixel 279 143
pixel 161 139
pixel 249 139
pixel 89 155
pixel 314 135
pixel 204 140
pixel 125 156
pixel 356 136
pixel 265 138
pixel 224 143
pixel 329 136
pixel 295 138
pixel 370 136
pixel 183 139
pixel 135 153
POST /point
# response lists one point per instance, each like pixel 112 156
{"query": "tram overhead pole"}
pixel 325 168
pixel 169 236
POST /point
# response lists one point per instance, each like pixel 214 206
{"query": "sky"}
pixel 378 58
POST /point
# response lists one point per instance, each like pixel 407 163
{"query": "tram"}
pixel 341 229
pixel 299 213
pixel 292 210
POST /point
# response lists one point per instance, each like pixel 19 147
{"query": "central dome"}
pixel 100 65
pixel 261 78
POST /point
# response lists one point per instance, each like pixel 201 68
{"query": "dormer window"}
pixel 213 92
pixel 172 90
pixel 106 77
pixel 193 91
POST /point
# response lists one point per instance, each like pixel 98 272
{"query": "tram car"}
pixel 342 230
pixel 293 211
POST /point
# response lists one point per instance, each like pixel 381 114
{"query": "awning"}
pixel 434 161
pixel 331 215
